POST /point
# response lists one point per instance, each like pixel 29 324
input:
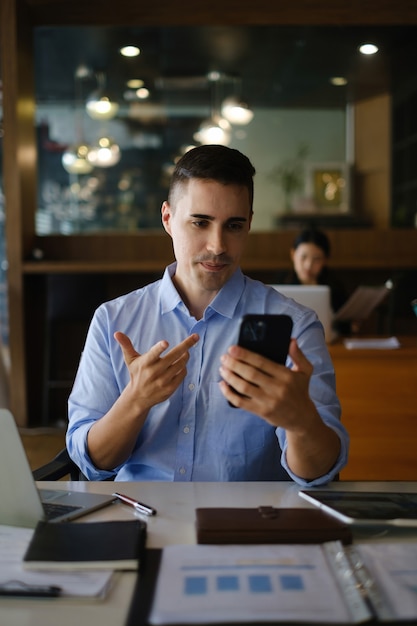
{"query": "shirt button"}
pixel 186 429
pixel 182 470
pixel 191 386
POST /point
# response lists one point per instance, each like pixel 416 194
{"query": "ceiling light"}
pixel 368 48
pixel 105 154
pixel 83 71
pixel 142 93
pixel 134 83
pixel 99 104
pixel 236 111
pixel 338 81
pixel 214 75
pixel 100 107
pixel 74 159
pixel 130 51
pixel 215 130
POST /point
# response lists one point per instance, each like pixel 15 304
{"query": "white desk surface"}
pixel 174 524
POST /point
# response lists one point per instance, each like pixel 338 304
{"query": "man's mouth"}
pixel 213 267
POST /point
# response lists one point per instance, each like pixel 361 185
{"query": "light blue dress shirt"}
pixel 195 435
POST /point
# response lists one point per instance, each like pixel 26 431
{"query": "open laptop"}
pixel 316 297
pixel 366 508
pixel 21 503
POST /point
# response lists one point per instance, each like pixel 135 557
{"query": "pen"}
pixel 21 589
pixel 139 506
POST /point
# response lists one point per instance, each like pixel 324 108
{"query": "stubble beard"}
pixel 213 281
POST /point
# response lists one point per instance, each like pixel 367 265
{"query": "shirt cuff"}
pixel 77 449
pixel 321 480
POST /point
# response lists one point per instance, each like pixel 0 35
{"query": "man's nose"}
pixel 215 242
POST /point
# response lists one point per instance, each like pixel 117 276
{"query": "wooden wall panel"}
pixel 351 248
pixel 372 141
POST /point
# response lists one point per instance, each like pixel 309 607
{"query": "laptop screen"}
pixel 21 502
pixel 316 297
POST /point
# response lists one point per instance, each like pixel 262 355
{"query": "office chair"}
pixel 61 465
pixel 70 303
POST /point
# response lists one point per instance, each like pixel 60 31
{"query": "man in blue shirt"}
pixel 150 399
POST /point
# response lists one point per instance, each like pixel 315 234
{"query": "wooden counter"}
pixel 378 393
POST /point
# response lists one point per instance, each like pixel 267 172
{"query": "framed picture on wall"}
pixel 328 187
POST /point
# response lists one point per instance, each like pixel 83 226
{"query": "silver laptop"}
pixel 21 503
pixel 366 508
pixel 316 297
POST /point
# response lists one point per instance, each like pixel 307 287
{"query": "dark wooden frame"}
pixel 17 20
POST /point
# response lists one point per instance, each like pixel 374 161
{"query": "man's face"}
pixel 209 224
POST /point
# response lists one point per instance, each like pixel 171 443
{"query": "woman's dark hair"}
pixel 214 162
pixel 315 236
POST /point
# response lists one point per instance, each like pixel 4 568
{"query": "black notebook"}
pixel 95 545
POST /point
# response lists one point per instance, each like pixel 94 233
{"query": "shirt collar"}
pixel 224 303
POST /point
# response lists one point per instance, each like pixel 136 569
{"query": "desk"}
pixel 378 393
pixel 174 524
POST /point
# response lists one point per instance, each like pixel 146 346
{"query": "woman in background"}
pixel 310 254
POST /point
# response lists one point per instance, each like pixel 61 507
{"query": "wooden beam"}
pixel 188 12
pixel 19 169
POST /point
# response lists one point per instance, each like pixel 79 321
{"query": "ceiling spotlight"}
pixel 368 48
pixel 236 111
pixel 130 51
pixel 215 130
pixel 74 159
pixel 142 93
pixel 82 71
pixel 105 154
pixel 135 83
pixel 338 81
pixel 214 75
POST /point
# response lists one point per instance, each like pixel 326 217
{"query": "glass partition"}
pixel 111 123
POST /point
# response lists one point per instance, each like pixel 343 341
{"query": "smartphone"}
pixel 266 334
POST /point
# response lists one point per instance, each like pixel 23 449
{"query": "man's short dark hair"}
pixel 214 162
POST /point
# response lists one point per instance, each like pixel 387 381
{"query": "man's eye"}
pixel 200 223
pixel 235 226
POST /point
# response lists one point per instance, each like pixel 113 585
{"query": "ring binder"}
pixel 347 575
pixel 315 584
pixel 367 585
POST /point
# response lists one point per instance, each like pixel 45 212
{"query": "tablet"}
pixel 366 508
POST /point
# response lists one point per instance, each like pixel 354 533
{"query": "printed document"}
pixel 361 303
pixel 253 583
pixel 314 583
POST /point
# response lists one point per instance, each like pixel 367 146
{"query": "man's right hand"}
pixel 153 378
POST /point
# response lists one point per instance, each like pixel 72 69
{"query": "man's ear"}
pixel 166 216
